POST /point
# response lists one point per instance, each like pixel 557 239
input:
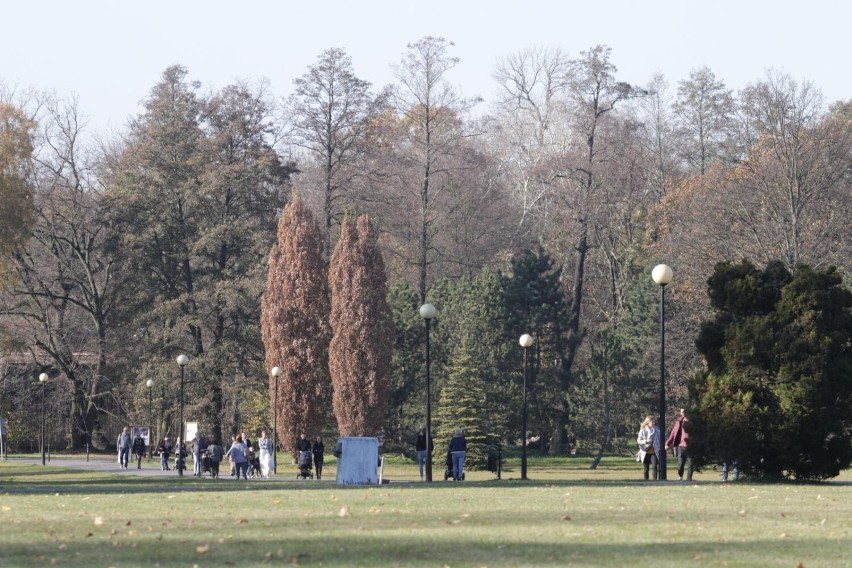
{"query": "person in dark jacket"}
pixel 164 450
pixel 123 443
pixel 420 446
pixel 679 439
pixel 214 454
pixel 318 450
pixel 458 450
pixel 138 449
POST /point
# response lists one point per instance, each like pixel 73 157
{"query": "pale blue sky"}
pixel 110 53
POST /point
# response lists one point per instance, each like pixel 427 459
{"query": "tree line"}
pixel 540 213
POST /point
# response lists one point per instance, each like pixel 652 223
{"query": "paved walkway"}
pixel 151 468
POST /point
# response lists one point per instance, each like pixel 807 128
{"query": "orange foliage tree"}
pixel 362 345
pixel 294 324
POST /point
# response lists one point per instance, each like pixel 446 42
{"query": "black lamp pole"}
pixel 526 342
pixel 427 312
pixel 43 380
pixel 275 372
pixel 182 360
pixel 662 275
pixel 150 384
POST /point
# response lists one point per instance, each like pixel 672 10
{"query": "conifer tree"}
pixel 294 325
pixel 362 346
pixel 462 405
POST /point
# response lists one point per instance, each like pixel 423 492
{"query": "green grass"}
pixel 566 515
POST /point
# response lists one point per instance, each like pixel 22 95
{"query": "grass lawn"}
pixel 566 515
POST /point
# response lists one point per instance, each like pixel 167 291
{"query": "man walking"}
pixel 124 442
pixel 679 438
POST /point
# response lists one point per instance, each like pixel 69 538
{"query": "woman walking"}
pixel 649 445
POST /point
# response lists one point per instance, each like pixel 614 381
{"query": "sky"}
pixel 111 53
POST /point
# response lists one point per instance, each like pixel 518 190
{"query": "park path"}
pixel 109 464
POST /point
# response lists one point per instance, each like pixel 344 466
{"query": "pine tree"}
pixel 294 325
pixel 461 405
pixel 362 345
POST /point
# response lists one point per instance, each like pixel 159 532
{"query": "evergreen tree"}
pixel 462 406
pixel 777 394
pixel 535 304
pixel 362 345
pixel 295 327
pixel 406 409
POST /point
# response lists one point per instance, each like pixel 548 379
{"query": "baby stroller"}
pixel 205 462
pixel 305 465
pixel 448 473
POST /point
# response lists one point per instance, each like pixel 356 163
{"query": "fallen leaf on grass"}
pixel 784 535
pixel 127 524
pixel 276 501
pixel 822 522
pixel 242 521
pixel 202 548
pixel 99 521
pixel 344 512
pixel 375 509
pixel 800 565
pixel 742 512
pixel 565 518
pixel 697 557
pixel 89 535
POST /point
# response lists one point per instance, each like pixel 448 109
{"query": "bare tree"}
pixel 704 109
pixel 431 113
pixel 330 112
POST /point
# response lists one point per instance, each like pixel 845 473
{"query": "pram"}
pixel 448 473
pixel 305 465
pixel 205 462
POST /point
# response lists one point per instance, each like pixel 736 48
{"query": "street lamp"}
pixel 182 360
pixel 150 384
pixel 662 275
pixel 526 342
pixel 427 312
pixel 276 372
pixel 42 378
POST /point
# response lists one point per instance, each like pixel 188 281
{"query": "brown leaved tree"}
pixel 294 323
pixel 362 345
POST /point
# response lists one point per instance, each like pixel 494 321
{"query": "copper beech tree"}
pixel 294 323
pixel 361 347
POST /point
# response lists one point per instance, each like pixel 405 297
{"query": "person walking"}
pixel 421 448
pixel 214 454
pixel 124 444
pixel 458 451
pixel 678 438
pixel 238 452
pixel 138 449
pixel 196 445
pixel 164 450
pixel 264 446
pixel 649 445
pixel 318 450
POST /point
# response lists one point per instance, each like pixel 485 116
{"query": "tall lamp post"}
pixel 427 312
pixel 526 342
pixel 182 360
pixel 662 275
pixel 150 384
pixel 276 372
pixel 42 378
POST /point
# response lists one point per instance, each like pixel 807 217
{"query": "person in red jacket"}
pixel 679 438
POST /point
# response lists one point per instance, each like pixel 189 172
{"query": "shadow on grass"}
pixel 100 547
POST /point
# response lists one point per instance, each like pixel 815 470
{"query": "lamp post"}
pixel 662 275
pixel 427 312
pixel 276 372
pixel 526 342
pixel 150 384
pixel 182 360
pixel 42 378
